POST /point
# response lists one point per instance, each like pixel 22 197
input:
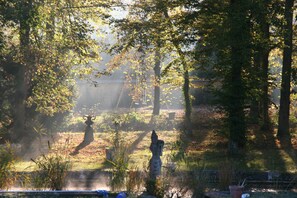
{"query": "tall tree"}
pixel 283 132
pixel 140 31
pixel 258 88
pixel 157 83
pixel 240 58
pixel 164 7
pixel 25 10
pixel 163 26
pixel 54 37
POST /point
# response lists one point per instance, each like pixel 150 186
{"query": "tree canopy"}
pixel 46 44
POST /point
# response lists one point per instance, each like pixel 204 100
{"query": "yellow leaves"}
pixel 51 93
pixel 53 100
pixel 86 71
pixel 117 61
pixel 176 11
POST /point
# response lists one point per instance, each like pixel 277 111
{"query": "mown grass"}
pixel 93 155
pixel 208 145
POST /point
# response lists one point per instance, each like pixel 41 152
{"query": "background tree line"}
pixel 45 44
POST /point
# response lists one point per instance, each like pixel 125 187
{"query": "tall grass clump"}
pixel 7 162
pixel 119 161
pixel 120 169
pixel 51 171
pixel 134 181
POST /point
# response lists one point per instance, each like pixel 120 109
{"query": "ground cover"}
pixel 206 148
pixel 208 144
pixel 93 155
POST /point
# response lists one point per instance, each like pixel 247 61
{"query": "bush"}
pixel 134 180
pixel 119 161
pixel 127 122
pixel 155 187
pixel 7 176
pixel 120 164
pixel 51 171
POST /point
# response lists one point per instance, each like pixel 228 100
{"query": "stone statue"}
pixel 155 164
pixel 89 134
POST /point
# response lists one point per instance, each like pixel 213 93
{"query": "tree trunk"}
pixel 187 97
pixel 240 59
pixel 283 132
pixel 254 111
pixel 255 81
pixel 21 91
pixel 19 109
pixel 186 85
pixel 265 95
pixel 157 89
pixel 265 66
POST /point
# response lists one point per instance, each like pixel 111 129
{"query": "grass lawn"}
pixel 93 155
pixel 208 146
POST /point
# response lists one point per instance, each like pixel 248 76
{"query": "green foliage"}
pixel 51 171
pixel 44 46
pixel 199 182
pixel 134 180
pixel 6 104
pixel 120 162
pixel 179 148
pixel 163 33
pixel 197 179
pixel 155 187
pixel 7 161
pixel 126 121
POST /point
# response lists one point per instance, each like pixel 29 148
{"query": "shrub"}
pixel 107 123
pixel 155 187
pixel 134 180
pixel 7 161
pixel 127 121
pixel 51 171
pixel 120 164
pixel 133 121
pixel 119 161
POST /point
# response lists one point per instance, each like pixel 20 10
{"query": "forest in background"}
pixel 243 48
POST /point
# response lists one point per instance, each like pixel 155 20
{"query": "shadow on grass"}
pixel 265 148
pixel 133 146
